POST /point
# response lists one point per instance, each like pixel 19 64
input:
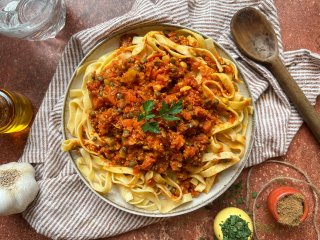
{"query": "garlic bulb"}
pixel 18 187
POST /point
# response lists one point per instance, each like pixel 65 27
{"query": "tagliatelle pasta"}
pixel 159 118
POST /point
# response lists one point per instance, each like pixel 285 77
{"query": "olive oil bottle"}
pixel 15 112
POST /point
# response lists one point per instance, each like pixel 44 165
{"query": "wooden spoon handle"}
pixel 296 96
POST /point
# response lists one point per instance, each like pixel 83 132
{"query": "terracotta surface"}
pixel 28 67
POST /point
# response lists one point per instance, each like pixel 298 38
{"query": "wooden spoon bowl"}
pixel 259 41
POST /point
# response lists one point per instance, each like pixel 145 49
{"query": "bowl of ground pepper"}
pixel 288 206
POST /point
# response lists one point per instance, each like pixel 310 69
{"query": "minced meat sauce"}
pixel 117 95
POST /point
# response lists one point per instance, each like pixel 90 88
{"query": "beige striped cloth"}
pixel 65 208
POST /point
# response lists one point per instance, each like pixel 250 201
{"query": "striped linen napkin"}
pixel 65 208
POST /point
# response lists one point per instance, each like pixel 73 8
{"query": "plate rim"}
pixel 243 161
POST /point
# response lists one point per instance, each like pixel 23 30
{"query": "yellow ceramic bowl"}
pixel 224 214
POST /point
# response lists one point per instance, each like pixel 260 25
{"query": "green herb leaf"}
pixel 165 113
pixel 240 200
pixel 164 108
pixel 149 116
pixel 140 117
pixel 170 118
pixel 176 107
pixel 254 194
pixel 152 127
pixel 148 106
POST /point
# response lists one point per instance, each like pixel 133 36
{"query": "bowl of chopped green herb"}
pixel 233 224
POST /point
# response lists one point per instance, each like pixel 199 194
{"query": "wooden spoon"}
pixel 255 37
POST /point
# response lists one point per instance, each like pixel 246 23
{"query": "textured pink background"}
pixel 28 67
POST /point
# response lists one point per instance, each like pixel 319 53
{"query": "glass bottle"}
pixel 15 112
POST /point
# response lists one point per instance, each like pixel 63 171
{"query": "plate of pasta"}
pixel 158 120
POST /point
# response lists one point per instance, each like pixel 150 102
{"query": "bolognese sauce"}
pixel 117 95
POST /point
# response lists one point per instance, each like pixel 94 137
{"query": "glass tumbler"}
pixel 32 19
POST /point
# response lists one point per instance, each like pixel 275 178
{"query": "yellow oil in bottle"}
pixel 15 112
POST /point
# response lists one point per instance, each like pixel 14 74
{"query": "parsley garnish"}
pixel 167 113
pixel 148 106
pixel 151 127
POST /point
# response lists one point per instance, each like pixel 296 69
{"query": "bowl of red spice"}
pixel 288 205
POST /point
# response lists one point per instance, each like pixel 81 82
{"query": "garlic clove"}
pixel 18 187
pixel 26 191
pixel 22 167
pixel 7 203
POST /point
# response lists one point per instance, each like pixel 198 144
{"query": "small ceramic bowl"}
pixel 280 192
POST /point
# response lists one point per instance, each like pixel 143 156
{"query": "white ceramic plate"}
pixel 225 179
